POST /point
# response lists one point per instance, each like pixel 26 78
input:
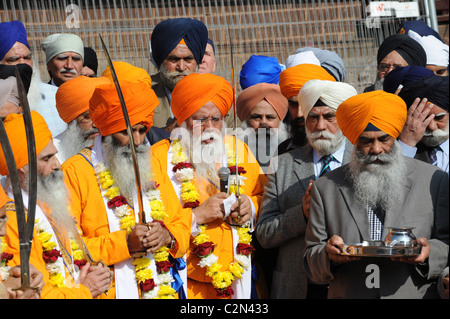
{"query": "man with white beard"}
pixel 261 109
pixel 218 260
pixel 56 250
pixel 285 205
pixel 105 202
pixel 425 135
pixel 72 103
pixel 380 188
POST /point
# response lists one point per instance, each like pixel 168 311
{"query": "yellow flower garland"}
pixel 144 275
pixel 221 280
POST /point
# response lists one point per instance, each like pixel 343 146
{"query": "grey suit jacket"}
pixel 423 204
pixel 281 222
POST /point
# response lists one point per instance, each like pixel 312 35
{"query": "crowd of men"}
pixel 198 210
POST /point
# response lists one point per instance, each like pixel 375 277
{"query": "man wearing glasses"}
pixel 397 50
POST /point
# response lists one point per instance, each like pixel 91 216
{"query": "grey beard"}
pixel 169 79
pixel 120 163
pixel 378 185
pixel 436 137
pixel 75 139
pixel 325 147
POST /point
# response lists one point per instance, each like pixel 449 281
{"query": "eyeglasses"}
pixel 215 120
pixel 383 67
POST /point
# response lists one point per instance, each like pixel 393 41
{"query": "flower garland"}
pixel 4 259
pixel 144 275
pixel 204 247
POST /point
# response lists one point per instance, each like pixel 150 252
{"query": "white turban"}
pixel 307 57
pixel 332 94
pixel 62 42
pixel 437 51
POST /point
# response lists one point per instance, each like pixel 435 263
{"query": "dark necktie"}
pixel 326 164
pixel 432 154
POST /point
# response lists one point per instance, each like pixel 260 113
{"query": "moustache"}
pixel 64 70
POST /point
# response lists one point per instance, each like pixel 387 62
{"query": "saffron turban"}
pixel 128 72
pixel 3 197
pixel 385 111
pixel 169 33
pixel 10 33
pixel 72 97
pixel 404 75
pixel 292 79
pixel 195 90
pixel 259 69
pixel 106 111
pixel 15 129
pixel 434 88
pixel 332 94
pixel 329 60
pixel 436 50
pixel 62 42
pixel 409 49
pixel 251 96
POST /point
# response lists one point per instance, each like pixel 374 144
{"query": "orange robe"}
pixel 199 284
pixel 36 259
pixel 88 208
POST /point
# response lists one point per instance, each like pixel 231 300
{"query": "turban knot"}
pixel 169 33
pixel 385 111
pixel 106 111
pixel 15 129
pixel 292 79
pixel 195 90
pixel 252 95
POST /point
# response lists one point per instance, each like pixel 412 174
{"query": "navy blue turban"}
pixel 404 75
pixel 10 33
pixel 434 88
pixel 409 49
pixel 259 69
pixel 420 27
pixel 168 34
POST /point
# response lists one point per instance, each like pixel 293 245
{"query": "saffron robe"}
pixel 199 284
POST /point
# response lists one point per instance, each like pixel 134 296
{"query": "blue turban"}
pixel 435 88
pixel 420 27
pixel 168 34
pixel 10 33
pixel 259 69
pixel 404 75
pixel 329 60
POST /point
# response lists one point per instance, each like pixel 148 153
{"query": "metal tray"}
pixel 379 249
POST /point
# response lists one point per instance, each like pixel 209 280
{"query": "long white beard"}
pixel 120 163
pixel 75 139
pixel 328 146
pixel 206 158
pixel 378 184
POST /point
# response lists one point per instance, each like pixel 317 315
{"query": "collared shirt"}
pixel 442 154
pixel 337 162
pixel 376 224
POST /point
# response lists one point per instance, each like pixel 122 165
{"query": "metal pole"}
pixel 432 15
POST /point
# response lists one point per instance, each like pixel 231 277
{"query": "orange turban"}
pixel 128 72
pixel 252 95
pixel 385 111
pixel 15 129
pixel 106 112
pixel 195 90
pixel 3 197
pixel 72 97
pixel 293 78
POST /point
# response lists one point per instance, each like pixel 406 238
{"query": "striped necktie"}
pixel 432 154
pixel 326 164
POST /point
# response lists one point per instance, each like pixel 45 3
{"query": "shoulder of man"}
pixel 84 157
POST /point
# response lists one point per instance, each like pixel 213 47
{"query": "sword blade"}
pixel 129 132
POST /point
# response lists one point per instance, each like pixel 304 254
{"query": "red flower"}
pixel 147 285
pixel 80 263
pixel 6 257
pixel 225 292
pixel 181 165
pixel 51 255
pixel 191 204
pixel 241 170
pixel 244 249
pixel 163 266
pixel 204 249
pixel 117 201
